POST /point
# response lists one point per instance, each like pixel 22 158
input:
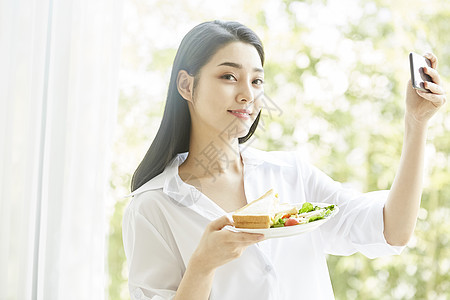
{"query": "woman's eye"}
pixel 229 77
pixel 258 82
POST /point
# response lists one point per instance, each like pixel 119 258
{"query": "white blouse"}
pixel 166 218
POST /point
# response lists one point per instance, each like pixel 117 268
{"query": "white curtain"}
pixel 59 62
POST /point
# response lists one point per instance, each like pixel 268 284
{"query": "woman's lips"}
pixel 241 113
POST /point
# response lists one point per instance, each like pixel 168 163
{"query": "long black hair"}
pixel 196 49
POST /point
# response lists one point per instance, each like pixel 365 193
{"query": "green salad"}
pixel 306 214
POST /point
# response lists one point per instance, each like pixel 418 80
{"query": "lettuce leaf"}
pixel 306 207
pixel 328 210
pixel 278 222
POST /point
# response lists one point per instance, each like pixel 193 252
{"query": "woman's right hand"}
pixel 219 246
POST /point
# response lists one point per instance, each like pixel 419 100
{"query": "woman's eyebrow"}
pixel 239 66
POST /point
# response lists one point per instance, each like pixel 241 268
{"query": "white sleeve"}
pixel 359 225
pixel 154 272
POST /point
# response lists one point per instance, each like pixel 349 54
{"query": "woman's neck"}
pixel 212 156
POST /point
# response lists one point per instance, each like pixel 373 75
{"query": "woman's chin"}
pixel 235 129
pixel 242 133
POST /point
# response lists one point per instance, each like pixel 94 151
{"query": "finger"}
pixel 434 88
pixel 250 237
pixel 219 223
pixel 436 100
pixel 244 238
pixel 433 74
pixel 432 58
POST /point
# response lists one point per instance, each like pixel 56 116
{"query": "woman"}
pixel 196 171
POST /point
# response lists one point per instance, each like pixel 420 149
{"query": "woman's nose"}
pixel 246 93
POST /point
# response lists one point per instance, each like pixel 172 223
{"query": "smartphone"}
pixel 416 63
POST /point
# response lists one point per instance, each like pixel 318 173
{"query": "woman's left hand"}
pixel 421 106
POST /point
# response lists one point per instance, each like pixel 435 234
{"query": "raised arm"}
pixel 402 206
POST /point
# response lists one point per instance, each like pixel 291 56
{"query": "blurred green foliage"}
pixel 338 72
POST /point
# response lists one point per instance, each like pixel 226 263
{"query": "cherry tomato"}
pixel 286 216
pixel 290 222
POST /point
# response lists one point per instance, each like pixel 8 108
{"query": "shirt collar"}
pixel 256 157
pixel 162 179
pixel 172 184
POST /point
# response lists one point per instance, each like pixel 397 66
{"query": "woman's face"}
pixel 227 98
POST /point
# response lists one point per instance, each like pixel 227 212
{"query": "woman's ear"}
pixel 185 85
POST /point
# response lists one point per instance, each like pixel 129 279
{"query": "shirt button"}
pixel 137 294
pixel 268 268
